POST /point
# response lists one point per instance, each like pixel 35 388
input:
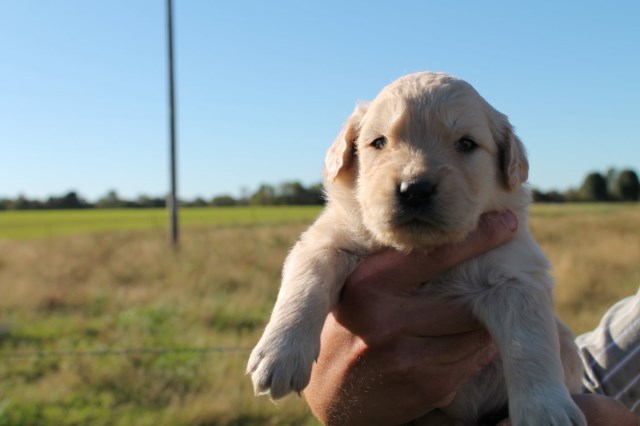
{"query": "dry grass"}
pixel 595 253
pixel 129 290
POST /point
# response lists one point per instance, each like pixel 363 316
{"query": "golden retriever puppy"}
pixel 414 169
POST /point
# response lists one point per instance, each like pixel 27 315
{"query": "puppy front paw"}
pixel 280 364
pixel 548 408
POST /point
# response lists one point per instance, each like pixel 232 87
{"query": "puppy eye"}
pixel 466 145
pixel 379 143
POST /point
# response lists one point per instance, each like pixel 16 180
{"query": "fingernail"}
pixel 510 219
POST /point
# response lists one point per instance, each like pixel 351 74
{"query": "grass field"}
pixel 53 223
pixel 179 324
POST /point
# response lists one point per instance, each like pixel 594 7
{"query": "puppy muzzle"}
pixel 415 195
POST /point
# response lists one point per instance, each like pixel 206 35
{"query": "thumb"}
pixel 493 230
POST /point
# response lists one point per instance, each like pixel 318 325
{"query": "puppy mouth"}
pixel 413 220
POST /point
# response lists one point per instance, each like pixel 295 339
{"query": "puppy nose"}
pixel 416 193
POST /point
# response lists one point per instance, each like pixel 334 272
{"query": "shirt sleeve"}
pixel 611 354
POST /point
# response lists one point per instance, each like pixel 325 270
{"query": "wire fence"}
pixel 120 352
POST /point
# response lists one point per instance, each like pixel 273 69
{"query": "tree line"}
pixel 286 193
pixel 613 185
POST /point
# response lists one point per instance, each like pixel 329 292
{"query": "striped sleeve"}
pixel 611 354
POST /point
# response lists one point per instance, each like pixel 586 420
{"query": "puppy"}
pixel 415 169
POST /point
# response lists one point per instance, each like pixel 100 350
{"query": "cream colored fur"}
pixel 423 117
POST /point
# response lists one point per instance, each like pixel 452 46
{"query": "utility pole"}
pixel 172 203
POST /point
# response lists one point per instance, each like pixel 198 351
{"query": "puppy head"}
pixel 424 159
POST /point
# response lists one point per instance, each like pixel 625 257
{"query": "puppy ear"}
pixel 513 163
pixel 341 154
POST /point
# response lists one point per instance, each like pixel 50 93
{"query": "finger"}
pixel 387 269
pixel 450 358
pixel 464 369
pixel 494 229
pixel 450 349
pixel 601 409
pixel 441 378
pixel 384 314
pixel 432 317
pixel 401 272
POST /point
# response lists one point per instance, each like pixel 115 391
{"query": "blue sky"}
pixel 264 87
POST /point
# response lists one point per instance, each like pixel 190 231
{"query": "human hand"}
pixel 600 410
pixel 389 355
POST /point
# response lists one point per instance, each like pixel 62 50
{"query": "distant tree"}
pixel 612 181
pixel 290 193
pixel 264 196
pixel 245 196
pixel 294 193
pixel 547 197
pixel 594 188
pixel 110 201
pixel 316 194
pixel 572 195
pixel 224 201
pixel 627 186
pixel 24 203
pixel 537 195
pixel 70 200
pixel 144 201
pixel 287 193
pixel 198 202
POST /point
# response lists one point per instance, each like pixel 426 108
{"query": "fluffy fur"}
pixel 435 133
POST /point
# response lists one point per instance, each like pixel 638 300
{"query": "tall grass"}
pixel 595 253
pixel 129 290
pixel 97 289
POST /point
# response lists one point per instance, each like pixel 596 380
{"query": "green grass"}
pixel 52 223
pixel 568 209
pixel 19 225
